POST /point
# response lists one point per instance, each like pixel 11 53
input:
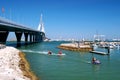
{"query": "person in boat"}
pixel 60 52
pixel 49 52
pixel 95 61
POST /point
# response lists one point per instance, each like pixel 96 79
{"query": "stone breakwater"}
pixel 13 65
pixel 75 47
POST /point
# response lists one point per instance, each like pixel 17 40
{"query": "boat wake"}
pixel 88 62
pixel 43 52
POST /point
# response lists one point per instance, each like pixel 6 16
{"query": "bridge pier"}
pixel 30 38
pixel 39 37
pixel 26 37
pixel 33 39
pixel 3 36
pixel 18 36
pixel 42 36
pixel 36 38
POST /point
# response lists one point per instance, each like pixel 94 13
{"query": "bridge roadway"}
pixel 7 26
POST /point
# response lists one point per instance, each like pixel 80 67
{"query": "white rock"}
pixel 9 65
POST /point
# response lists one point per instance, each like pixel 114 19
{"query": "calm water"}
pixel 73 65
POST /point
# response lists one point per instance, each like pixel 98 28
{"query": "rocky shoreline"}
pixel 14 66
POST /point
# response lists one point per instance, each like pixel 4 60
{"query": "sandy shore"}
pixel 14 66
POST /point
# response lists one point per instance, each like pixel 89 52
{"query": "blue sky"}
pixel 67 18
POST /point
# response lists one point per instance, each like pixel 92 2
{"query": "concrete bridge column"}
pixel 3 36
pixel 30 38
pixel 26 37
pixel 42 36
pixel 39 37
pixel 33 37
pixel 18 36
pixel 36 38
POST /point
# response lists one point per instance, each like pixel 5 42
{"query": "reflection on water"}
pixel 96 67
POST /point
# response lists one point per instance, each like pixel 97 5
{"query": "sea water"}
pixel 71 66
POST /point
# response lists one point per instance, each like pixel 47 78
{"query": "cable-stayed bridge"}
pixel 7 26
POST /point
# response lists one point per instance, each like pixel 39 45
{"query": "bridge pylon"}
pixel 41 25
pixel 3 36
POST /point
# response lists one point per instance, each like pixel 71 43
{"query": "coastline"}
pixel 25 67
pixel 14 66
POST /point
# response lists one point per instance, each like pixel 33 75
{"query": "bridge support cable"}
pixel 3 36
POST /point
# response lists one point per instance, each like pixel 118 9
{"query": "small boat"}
pixel 53 54
pixel 96 62
pixel 49 52
pixel 61 54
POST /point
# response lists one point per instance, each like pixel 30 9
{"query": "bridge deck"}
pixel 12 26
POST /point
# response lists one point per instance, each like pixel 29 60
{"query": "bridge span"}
pixel 7 26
